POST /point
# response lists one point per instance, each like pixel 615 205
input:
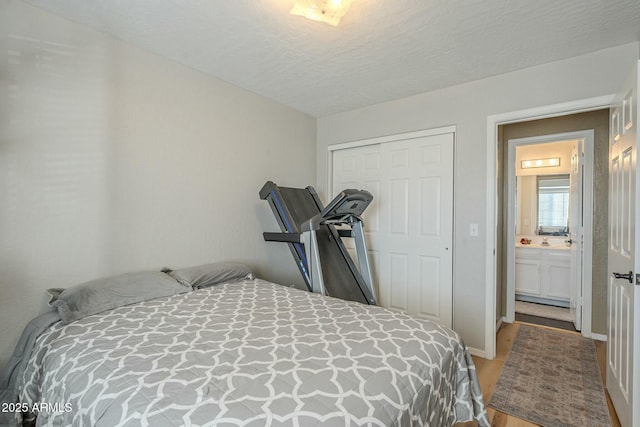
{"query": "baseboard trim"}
pixel 598 337
pixel 500 322
pixel 476 352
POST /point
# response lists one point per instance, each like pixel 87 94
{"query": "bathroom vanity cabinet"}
pixel 543 275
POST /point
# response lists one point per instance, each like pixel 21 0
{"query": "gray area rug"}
pixel 552 379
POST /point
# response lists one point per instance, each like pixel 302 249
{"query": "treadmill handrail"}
pixel 282 237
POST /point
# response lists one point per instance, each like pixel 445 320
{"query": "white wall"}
pixel 527 210
pixel 467 106
pixel 113 159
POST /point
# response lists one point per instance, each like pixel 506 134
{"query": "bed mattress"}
pixel 251 353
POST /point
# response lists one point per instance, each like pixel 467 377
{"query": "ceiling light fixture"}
pixel 327 11
pixel 540 163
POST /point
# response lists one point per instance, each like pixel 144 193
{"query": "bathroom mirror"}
pixel 542 205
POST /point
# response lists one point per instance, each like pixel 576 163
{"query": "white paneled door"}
pixel 409 226
pixel 623 350
pixel 575 233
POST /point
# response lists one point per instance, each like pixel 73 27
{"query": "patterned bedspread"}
pixel 251 353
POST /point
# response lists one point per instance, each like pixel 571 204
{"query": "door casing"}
pixel 493 121
pixel 587 210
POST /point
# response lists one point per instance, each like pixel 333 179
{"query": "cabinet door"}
pixel 528 277
pixel 558 272
pixel 559 282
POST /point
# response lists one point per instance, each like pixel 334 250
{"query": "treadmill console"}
pixel 349 202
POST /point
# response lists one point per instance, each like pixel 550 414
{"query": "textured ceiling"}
pixel 382 49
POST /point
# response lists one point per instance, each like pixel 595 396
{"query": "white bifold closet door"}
pixel 409 225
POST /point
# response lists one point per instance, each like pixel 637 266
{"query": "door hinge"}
pixel 637 279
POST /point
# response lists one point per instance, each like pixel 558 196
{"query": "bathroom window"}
pixel 553 205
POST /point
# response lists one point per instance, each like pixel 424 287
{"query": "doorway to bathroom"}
pixel 549 200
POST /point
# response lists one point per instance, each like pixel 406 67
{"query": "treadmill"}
pixel 316 244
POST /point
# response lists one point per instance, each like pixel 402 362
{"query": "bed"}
pixel 252 353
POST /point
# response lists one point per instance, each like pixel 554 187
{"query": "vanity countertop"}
pixel 562 247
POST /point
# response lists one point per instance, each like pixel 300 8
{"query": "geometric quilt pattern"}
pixel 251 353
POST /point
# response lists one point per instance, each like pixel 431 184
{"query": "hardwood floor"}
pixel 489 371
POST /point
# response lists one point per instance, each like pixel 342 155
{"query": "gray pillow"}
pixel 107 293
pixel 202 276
